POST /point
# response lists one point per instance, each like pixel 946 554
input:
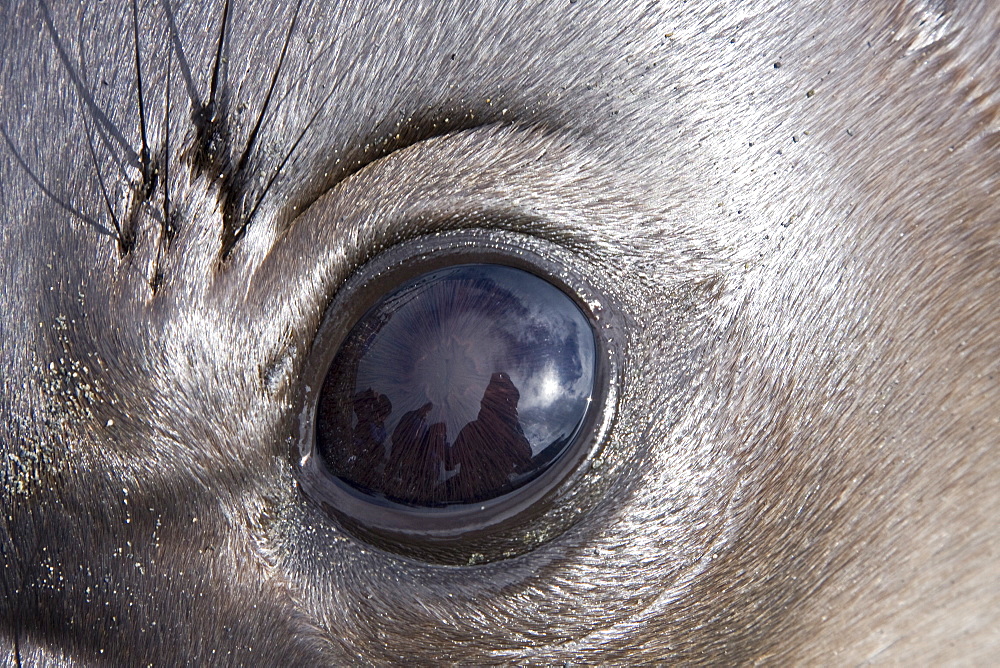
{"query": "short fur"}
pixel 794 205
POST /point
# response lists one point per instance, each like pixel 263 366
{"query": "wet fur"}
pixel 795 208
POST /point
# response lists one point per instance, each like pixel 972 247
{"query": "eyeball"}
pixel 460 388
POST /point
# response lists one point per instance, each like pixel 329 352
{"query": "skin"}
pixel 793 208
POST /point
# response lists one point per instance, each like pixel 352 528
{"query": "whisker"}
pixel 144 153
pixel 288 155
pixel 185 68
pixel 235 233
pixel 211 151
pixel 106 140
pixel 84 94
pixel 217 65
pixel 254 133
pixel 168 226
pixel 123 245
pixel 66 206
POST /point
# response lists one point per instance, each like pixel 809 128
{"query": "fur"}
pixel 794 206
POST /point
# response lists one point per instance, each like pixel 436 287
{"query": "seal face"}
pixel 789 209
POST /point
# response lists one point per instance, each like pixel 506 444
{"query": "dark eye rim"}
pixel 509 524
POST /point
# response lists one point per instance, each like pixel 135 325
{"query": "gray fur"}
pixel 794 205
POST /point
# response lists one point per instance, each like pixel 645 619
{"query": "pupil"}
pixel 457 387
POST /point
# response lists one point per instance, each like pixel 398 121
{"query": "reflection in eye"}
pixel 459 386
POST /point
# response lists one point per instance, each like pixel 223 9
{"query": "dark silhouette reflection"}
pixel 418 467
pixel 368 444
pixel 491 448
pixel 416 463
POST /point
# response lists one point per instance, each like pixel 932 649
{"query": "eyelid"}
pixel 445 183
pixel 542 181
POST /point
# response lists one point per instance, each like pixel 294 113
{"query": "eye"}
pixel 459 386
pixel 457 396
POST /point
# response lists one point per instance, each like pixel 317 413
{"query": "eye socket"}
pixel 455 396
